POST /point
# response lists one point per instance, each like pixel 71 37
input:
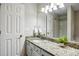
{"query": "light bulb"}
pixel 58 3
pixel 50 9
pixel 55 8
pixel 61 5
pixel 47 7
pixel 52 5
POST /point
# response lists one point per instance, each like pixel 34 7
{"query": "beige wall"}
pixel 76 30
pixel 34 17
pixel 70 23
pixel 30 18
pixel 42 21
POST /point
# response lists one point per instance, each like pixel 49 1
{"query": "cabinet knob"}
pixel 20 36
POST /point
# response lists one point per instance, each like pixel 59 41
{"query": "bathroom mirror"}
pixel 57 21
pixel 53 23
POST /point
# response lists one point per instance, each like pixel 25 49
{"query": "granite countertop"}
pixel 54 48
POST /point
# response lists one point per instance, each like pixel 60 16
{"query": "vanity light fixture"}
pixel 52 6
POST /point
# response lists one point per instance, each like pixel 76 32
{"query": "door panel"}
pixel 11 27
pixel 17 46
pixel 8 46
pixel 18 24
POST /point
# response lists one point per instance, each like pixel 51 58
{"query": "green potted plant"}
pixel 62 40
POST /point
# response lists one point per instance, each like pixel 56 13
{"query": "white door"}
pixel 11 27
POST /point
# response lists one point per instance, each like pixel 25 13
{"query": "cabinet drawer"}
pixel 34 53
pixel 37 49
pixel 32 46
pixel 44 53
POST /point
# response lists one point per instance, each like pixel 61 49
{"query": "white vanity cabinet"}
pixel 34 53
pixel 33 50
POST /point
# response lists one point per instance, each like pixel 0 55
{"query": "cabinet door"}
pixel 32 46
pixel 29 50
pixel 34 53
pixel 37 49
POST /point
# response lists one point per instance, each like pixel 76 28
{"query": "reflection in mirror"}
pixel 52 19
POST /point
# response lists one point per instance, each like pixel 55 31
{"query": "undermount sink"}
pixel 36 41
pixel 40 41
